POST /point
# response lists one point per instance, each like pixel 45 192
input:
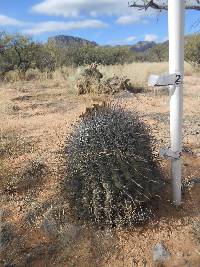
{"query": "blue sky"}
pixel 104 21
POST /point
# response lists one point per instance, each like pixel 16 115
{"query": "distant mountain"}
pixel 142 46
pixel 67 41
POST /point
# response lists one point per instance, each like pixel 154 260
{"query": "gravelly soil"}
pixel 39 228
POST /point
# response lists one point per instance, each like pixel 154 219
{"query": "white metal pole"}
pixel 176 16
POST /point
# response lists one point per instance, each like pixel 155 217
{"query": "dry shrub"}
pixel 196 230
pixel 140 72
pixel 91 81
pixel 31 176
pixel 33 74
pixel 12 145
pixel 112 173
pixel 27 177
pixel 11 76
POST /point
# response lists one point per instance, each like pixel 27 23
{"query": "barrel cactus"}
pixel 112 173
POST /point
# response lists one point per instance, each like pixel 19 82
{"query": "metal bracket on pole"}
pixel 165 79
pixel 168 153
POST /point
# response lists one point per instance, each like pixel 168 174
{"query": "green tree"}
pixel 158 53
pixel 192 51
pixel 45 58
pixel 20 53
pixel 16 53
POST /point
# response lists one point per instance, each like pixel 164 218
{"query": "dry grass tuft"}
pixel 138 73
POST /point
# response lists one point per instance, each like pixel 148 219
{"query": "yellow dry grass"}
pixel 138 73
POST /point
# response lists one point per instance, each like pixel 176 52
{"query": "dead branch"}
pixel 152 4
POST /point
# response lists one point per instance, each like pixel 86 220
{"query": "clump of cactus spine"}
pixel 112 172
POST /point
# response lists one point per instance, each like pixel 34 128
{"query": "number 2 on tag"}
pixel 178 79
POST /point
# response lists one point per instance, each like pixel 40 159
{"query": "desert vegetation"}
pixel 112 173
pixel 21 55
pixel 82 183
pixel 192 52
pixel 42 117
pixel 81 180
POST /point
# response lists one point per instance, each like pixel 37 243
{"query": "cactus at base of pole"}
pixel 112 173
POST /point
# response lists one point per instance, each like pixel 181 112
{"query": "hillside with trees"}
pixel 68 41
pixel 20 53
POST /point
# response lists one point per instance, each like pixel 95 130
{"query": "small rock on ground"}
pixel 160 253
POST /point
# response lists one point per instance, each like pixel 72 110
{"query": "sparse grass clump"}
pixel 112 173
pixel 196 230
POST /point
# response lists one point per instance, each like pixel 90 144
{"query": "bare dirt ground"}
pixel 37 229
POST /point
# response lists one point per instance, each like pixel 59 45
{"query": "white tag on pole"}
pixel 165 79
